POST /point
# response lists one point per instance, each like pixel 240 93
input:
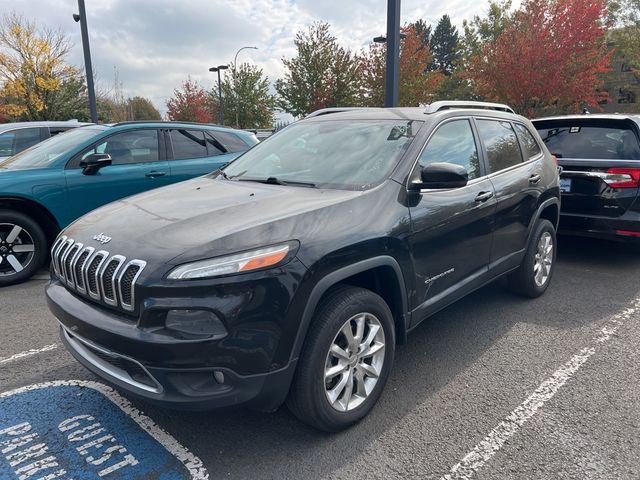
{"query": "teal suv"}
pixel 46 187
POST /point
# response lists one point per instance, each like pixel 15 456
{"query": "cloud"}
pixel 156 44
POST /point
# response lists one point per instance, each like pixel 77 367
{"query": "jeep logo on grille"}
pixel 102 238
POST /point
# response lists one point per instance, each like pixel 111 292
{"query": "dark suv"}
pixel 600 181
pixel 292 273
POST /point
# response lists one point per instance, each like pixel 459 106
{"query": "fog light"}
pixel 195 322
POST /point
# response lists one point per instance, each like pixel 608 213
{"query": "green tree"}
pixel 444 46
pixel 323 74
pixel 485 29
pixel 626 34
pixel 36 81
pixel 140 108
pixel 247 101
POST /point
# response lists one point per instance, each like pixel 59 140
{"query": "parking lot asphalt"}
pixel 493 387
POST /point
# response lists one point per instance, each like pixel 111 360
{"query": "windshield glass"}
pixel 342 154
pixel 44 153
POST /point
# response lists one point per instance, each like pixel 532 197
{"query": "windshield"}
pixel 343 154
pixel 44 153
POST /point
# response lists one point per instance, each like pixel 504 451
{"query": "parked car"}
pixel 16 137
pixel 600 181
pixel 47 186
pixel 293 272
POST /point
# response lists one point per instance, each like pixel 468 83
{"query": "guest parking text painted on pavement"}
pixel 84 430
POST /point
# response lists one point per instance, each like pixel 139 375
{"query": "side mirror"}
pixel 94 162
pixel 442 175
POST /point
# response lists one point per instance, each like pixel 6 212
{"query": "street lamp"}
pixel 220 102
pixel 82 18
pixel 391 94
pixel 235 80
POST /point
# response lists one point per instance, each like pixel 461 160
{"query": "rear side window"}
pixel 453 142
pixel 591 142
pixel 188 144
pixel 501 143
pixel 14 141
pixel 529 143
pixel 231 142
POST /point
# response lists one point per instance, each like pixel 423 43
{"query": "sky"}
pixel 156 44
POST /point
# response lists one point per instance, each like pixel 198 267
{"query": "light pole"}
pixel 220 101
pixel 392 39
pixel 82 18
pixel 235 80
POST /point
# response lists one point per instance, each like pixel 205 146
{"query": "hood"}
pixel 205 217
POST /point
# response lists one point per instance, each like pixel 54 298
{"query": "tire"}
pixel 23 247
pixel 528 280
pixel 308 398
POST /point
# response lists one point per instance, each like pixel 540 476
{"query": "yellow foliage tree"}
pixel 36 81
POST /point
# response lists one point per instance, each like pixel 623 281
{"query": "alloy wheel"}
pixel 354 362
pixel 543 259
pixel 17 249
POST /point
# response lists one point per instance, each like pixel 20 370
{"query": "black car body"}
pixel 418 246
pixel 600 159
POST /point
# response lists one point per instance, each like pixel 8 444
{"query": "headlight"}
pixel 239 263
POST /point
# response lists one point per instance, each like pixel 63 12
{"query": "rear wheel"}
pixel 23 247
pixel 346 360
pixel 534 274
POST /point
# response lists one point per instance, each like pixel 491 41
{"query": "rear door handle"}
pixel 484 196
pixel 534 179
pixel 154 174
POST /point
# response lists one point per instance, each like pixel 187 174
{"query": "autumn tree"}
pixel 548 57
pixel 416 84
pixel 322 74
pixel 246 97
pixel 190 103
pixel 36 81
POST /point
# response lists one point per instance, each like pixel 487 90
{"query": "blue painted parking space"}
pixel 85 430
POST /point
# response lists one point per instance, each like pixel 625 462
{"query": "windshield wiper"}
pixel 277 181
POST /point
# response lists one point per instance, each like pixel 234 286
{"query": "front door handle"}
pixel 534 179
pixel 155 174
pixel 484 196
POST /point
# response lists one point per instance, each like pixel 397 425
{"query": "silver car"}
pixel 15 137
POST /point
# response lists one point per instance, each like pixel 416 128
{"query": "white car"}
pixel 15 137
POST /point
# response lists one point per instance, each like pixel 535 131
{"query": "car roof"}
pixel 403 114
pixel 168 123
pixel 43 123
pixel 594 116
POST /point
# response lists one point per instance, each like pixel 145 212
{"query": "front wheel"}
pixel 346 360
pixel 23 247
pixel 534 274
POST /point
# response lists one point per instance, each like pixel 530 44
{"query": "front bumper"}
pixel 182 374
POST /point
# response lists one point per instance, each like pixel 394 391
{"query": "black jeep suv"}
pixel 291 274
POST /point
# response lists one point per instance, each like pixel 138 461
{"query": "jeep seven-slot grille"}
pixel 97 274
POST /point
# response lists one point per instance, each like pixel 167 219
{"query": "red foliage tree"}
pixel 547 59
pixel 190 103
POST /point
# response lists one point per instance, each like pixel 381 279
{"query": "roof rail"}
pixel 326 111
pixel 451 104
pixel 168 122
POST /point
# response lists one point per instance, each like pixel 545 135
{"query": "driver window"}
pixel 454 143
pixel 140 146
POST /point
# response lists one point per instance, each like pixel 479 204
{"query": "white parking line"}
pixel 28 353
pixel 493 442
